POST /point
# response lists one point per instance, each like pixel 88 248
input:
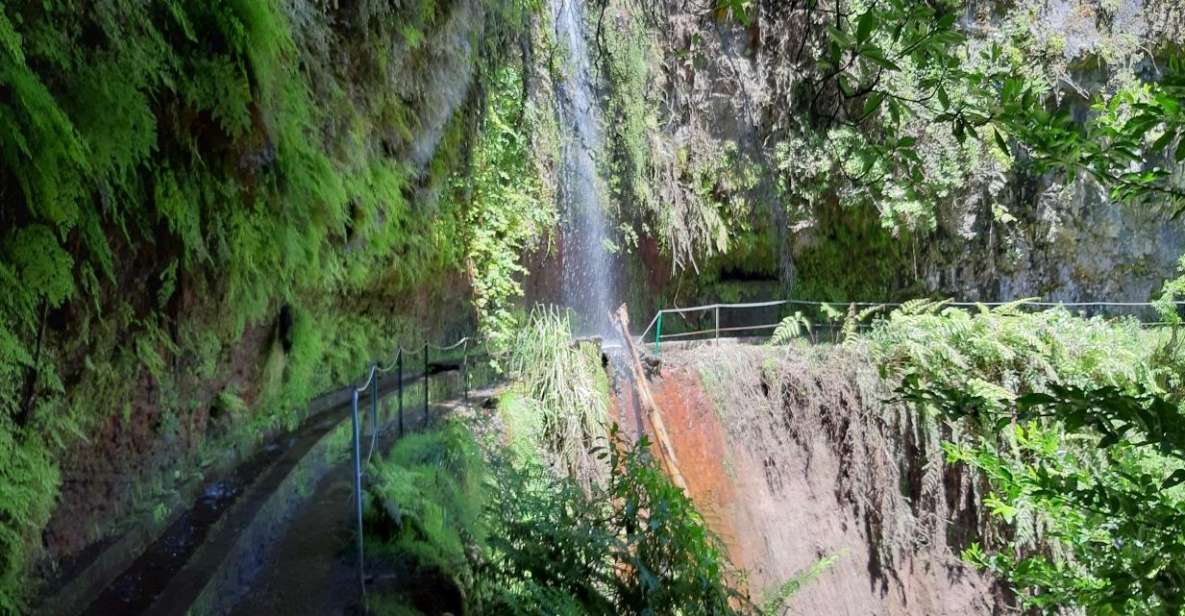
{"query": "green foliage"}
pixel 544 545
pixel 897 79
pixel 1172 293
pixel 789 328
pixel 1070 421
pixel 778 597
pixel 689 197
pixel 1119 146
pixel 426 499
pixel 28 481
pixel 633 546
pixel 176 172
pixel 507 214
pixel 565 392
pixel 1100 468
pixel 1007 350
pixel 854 319
pixel 898 109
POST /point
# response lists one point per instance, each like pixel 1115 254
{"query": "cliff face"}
pixel 805 473
pixel 177 423
pixel 732 174
pixel 1068 242
pixel 208 215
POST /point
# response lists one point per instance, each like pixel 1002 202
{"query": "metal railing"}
pixel 372 384
pixel 718 327
pixel 695 329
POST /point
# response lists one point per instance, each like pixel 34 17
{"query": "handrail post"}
pixel 717 325
pixel 399 381
pixel 425 384
pixel 465 369
pixel 358 494
pixel 374 410
pixel 658 335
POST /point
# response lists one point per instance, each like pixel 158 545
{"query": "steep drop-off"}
pixel 794 456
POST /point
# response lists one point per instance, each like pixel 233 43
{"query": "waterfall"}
pixel 586 278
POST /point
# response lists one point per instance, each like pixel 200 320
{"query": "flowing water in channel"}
pixel 587 278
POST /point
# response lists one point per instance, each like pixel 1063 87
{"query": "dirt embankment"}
pixel 794 456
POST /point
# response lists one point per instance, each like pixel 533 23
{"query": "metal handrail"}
pixel 372 383
pixel 799 302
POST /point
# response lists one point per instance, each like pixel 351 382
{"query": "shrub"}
pixel 1075 425
pixel 543 545
pixel 565 391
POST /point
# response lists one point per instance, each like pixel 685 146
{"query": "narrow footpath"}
pixel 312 569
pixel 287 502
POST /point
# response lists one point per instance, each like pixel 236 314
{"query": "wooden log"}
pixel 666 452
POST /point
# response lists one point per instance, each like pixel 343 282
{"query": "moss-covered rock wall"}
pixel 723 153
pixel 210 212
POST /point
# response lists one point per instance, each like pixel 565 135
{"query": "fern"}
pixel 215 152
pixel 789 328
pixel 1014 307
pixel 566 390
pixel 777 598
pixel 852 321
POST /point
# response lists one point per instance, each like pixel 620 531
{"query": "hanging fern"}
pixel 177 171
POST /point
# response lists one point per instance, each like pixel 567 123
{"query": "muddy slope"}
pixel 795 456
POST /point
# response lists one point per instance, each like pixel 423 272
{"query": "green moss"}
pixel 178 171
pixel 853 257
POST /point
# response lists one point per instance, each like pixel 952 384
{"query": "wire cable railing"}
pixel 371 385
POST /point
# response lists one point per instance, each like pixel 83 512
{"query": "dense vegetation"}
pixel 554 514
pixel 236 202
pixel 1076 425
pixel 212 211
pixel 859 135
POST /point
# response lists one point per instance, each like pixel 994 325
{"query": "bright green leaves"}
pixel 891 68
pixel 1082 445
pixel 214 150
pixel 1120 145
pixel 517 539
pixel 506 211
pixel 873 102
pixel 10 41
pixel 45 269
pixel 1112 510
pixel 181 209
pixel 633 545
pixel 28 482
pixel 219 84
pixel 740 11
pixel 427 497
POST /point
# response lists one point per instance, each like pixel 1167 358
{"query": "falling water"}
pixel 587 279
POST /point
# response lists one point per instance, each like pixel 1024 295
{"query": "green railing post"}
pixel 465 369
pixel 658 334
